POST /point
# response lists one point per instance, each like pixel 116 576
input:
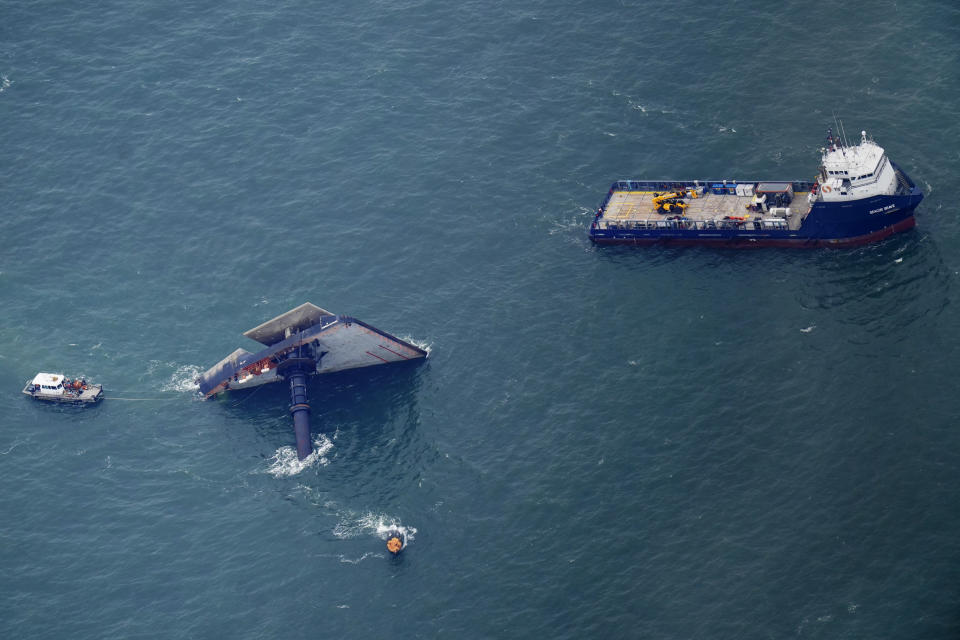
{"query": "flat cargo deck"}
pixel 633 208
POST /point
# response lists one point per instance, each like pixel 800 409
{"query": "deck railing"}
pixel 661 224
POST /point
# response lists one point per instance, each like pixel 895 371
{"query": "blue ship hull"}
pixel 828 224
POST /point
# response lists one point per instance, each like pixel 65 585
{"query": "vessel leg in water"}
pixel 295 370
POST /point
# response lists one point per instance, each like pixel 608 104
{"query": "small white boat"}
pixel 54 387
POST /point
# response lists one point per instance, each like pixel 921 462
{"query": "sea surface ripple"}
pixel 604 442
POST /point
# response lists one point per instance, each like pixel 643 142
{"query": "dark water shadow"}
pixel 882 288
pixel 367 418
pixel 68 409
pixel 370 393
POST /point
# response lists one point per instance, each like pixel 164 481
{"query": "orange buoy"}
pixel 395 541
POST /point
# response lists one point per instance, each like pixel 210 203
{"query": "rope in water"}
pixel 233 404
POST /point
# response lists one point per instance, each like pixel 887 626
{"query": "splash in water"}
pixel 379 524
pixel 420 344
pixel 285 462
pixel 183 379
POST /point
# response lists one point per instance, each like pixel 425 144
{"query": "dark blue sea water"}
pixel 603 443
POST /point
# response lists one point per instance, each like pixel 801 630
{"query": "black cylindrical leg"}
pixel 301 413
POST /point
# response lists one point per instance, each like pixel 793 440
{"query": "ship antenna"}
pixel 840 133
pixel 843 131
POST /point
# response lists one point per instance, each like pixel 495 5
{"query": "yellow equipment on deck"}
pixel 671 201
pixel 663 197
pixel 667 207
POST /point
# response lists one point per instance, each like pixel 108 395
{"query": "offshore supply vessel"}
pixel 858 196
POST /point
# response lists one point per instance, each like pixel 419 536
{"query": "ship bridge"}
pixel 855 172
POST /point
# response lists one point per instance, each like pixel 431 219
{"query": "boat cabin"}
pixel 48 384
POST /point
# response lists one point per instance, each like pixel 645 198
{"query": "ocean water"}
pixel 604 442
